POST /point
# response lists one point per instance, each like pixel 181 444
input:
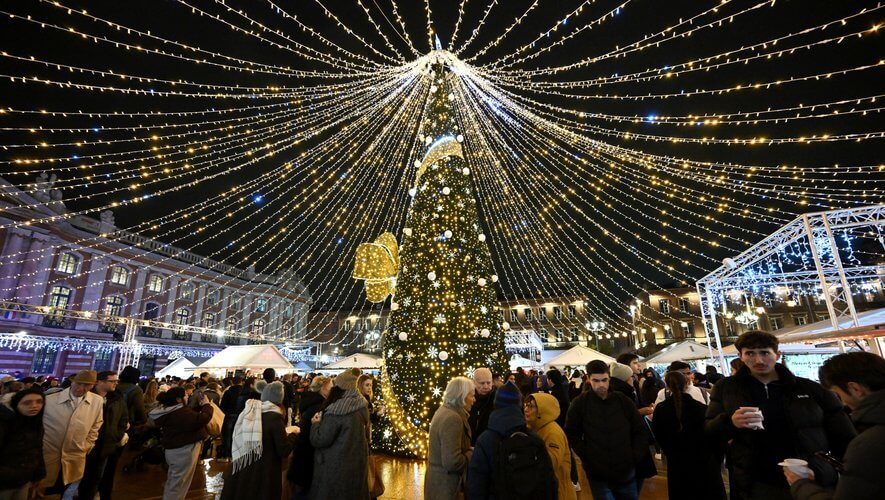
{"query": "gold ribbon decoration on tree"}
pixel 378 264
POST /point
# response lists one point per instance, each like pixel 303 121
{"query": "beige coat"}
pixel 69 434
pixel 448 454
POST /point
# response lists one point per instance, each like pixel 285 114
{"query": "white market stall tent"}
pixel 578 356
pixel 247 357
pixel 182 367
pixel 359 360
pixel 517 361
pixel 686 350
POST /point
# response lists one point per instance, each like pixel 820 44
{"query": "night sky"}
pixel 633 208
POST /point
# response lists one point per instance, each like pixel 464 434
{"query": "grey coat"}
pixel 448 454
pixel 341 450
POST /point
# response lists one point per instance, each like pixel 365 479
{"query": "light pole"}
pixel 596 327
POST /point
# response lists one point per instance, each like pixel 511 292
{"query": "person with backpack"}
pixel 608 435
pixel 510 461
pixel 542 416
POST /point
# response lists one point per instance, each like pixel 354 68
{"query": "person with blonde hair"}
pixel 449 450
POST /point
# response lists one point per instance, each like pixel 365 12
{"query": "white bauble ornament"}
pixel 448 234
pixel 447 190
pixel 434 88
pixel 466 171
pixel 403 336
pixel 417 163
pixel 460 138
pixel 394 306
pixel 494 278
pixel 443 355
pixel 428 140
pixel 482 237
pixel 407 231
pixel 729 263
pixel 412 192
pixel 481 282
pixel 505 326
pixel 484 332
pixel 431 276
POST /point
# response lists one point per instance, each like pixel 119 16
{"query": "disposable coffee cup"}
pixel 797 466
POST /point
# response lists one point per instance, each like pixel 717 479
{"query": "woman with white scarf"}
pixel 261 441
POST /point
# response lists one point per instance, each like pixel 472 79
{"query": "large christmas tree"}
pixel 444 318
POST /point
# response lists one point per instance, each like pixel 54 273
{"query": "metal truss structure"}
pixel 828 274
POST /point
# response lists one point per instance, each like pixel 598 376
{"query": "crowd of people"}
pixel 511 435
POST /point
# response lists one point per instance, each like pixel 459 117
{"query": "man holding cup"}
pixel 771 415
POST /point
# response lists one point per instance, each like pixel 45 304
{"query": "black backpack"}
pixel 523 468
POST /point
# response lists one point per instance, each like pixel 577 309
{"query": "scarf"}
pixel 350 402
pixel 247 446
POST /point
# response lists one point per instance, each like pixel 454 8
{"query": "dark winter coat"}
pixel 649 389
pixel 116 419
pixel 300 470
pixel 263 478
pixel 479 414
pixel 21 449
pixel 341 450
pixel 181 425
pixel 245 395
pixel 560 392
pixel 134 398
pixel 864 475
pixel 800 418
pixel 502 422
pixel 230 400
pixel 608 435
pixel 692 460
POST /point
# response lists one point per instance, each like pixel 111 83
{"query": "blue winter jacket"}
pixel 502 422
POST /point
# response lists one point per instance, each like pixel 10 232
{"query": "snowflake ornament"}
pixel 432 351
pixel 439 318
pixel 461 349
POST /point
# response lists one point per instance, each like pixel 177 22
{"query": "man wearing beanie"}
pixel 260 444
pixel 505 420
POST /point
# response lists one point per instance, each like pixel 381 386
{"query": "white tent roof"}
pixel 302 366
pixel 248 357
pixel 517 361
pixel 871 323
pixel 177 368
pixel 685 350
pixel 789 349
pixel 358 360
pixel 578 356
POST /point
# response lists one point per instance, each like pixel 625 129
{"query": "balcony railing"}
pixel 59 321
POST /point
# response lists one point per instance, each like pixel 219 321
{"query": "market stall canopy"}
pixel 518 361
pixel 578 356
pixel 301 366
pixel 685 350
pixel 870 324
pixel 358 360
pixel 248 357
pixel 799 348
pixel 182 367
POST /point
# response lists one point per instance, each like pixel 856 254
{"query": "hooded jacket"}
pixel 502 422
pixel 557 444
pixel 21 448
pixel 801 418
pixel 341 450
pixel 862 477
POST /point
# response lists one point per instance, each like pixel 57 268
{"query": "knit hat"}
pixel 273 393
pixel 346 380
pixel 620 371
pixel 508 395
pixel 260 385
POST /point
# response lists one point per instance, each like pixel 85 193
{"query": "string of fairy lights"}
pixel 285 158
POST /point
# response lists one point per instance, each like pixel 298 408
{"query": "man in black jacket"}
pixel 858 378
pixel 229 407
pixel 101 462
pixel 770 414
pixel 482 408
pixel 605 430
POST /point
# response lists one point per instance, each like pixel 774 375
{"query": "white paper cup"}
pixel 797 466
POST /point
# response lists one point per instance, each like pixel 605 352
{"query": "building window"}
pixel 688 330
pixel 261 305
pixel 542 314
pixel 559 335
pixel 683 305
pixel 186 290
pixel 212 297
pixel 528 314
pixel 557 312
pixel 574 334
pixel 232 324
pixel 102 360
pixel 347 325
pixel 664 306
pixel 513 315
pixel 113 306
pixel 668 332
pixel 729 329
pixel 822 317
pixel 776 322
pixel 799 319
pixel 151 311
pixel 60 297
pixel 181 316
pixel 44 360
pixel 572 312
pixel 208 320
pixel 67 263
pixel 542 332
pixel 768 300
pixel 258 328
pixel 287 311
pixel 119 275
pixel 156 283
